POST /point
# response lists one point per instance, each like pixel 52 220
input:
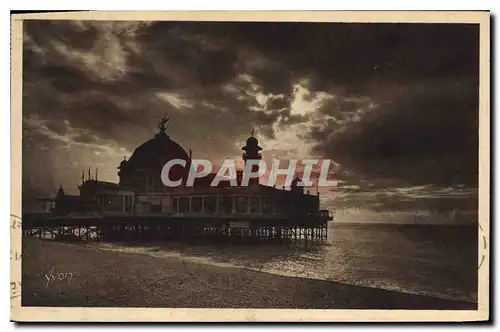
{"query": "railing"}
pixel 326 213
pixel 98 214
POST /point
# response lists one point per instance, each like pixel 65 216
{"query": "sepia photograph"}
pixel 333 161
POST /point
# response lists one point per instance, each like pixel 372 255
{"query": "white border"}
pixel 416 315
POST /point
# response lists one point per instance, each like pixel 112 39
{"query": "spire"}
pixel 96 173
pixel 60 192
pixel 163 121
pixel 252 133
pixel 83 176
pixel 89 173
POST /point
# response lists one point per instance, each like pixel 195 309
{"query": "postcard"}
pixel 250 166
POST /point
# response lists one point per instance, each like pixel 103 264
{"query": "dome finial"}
pixel 163 121
pixel 252 132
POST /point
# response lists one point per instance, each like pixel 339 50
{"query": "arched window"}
pixel 241 204
pixel 210 204
pixel 196 204
pixel 254 203
pixel 267 205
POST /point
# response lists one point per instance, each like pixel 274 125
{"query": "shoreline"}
pixel 107 278
pixel 168 252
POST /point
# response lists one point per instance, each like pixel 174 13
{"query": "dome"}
pixel 156 152
pixel 252 144
pixel 148 160
pixel 252 141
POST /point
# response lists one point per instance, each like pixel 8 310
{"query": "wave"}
pixel 295 269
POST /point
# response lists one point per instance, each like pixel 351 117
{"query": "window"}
pixel 226 205
pixel 113 202
pixel 184 205
pixel 175 201
pixel 254 204
pixel 267 205
pixel 196 204
pixel 128 203
pixel 210 204
pixel 241 205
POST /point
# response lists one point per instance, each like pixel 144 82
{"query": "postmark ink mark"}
pixel 16 255
pixel 15 289
pixel 485 246
pixel 15 222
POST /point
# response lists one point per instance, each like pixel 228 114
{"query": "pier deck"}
pixel 119 226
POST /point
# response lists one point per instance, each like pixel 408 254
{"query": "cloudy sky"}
pixel 394 105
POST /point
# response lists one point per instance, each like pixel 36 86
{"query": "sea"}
pixel 425 256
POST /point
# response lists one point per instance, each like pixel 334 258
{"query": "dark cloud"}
pixel 428 134
pixel 350 53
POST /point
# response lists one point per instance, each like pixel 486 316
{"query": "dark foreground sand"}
pixel 113 279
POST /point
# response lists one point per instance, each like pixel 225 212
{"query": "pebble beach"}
pixel 75 275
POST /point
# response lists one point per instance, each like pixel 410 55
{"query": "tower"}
pixel 252 152
pixel 297 185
